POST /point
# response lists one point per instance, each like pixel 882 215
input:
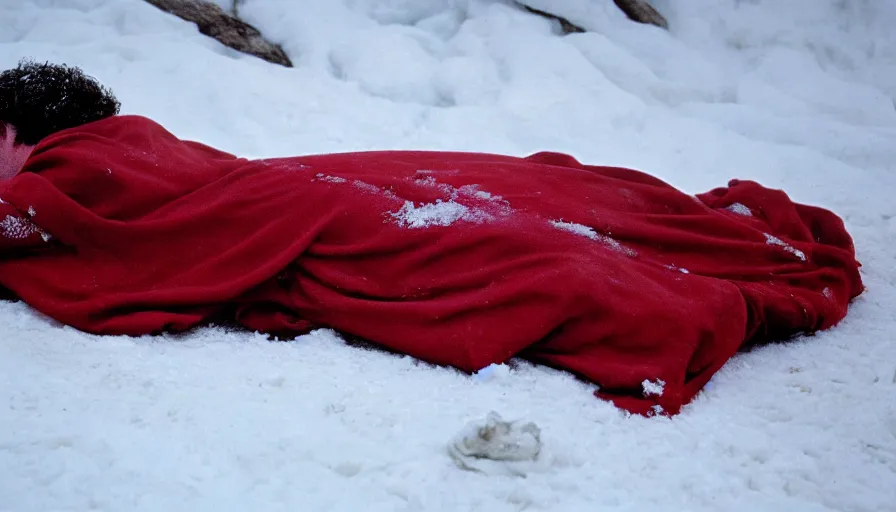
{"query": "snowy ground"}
pixel 797 94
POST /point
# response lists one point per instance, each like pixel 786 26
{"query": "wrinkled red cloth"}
pixel 119 227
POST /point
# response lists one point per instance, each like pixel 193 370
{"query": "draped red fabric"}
pixel 119 227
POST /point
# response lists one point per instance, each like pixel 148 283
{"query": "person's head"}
pixel 37 100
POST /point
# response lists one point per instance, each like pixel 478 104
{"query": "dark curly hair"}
pixel 42 99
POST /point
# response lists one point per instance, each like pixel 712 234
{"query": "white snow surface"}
pixel 798 95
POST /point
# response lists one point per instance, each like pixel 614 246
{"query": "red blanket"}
pixel 459 259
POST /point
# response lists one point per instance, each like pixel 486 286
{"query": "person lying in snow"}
pixel 111 224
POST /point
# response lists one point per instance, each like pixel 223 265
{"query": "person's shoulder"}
pixel 126 129
pixel 121 123
pixel 129 133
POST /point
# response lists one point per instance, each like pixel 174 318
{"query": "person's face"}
pixel 12 155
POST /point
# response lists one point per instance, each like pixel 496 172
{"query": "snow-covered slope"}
pixel 798 95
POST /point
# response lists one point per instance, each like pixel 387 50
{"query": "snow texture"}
pixel 773 240
pixel 578 229
pixel 588 232
pixel 430 181
pixel 653 388
pixel 16 228
pixel 492 371
pixel 439 213
pixel 445 212
pixel 328 178
pixel 798 95
pixel 740 209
